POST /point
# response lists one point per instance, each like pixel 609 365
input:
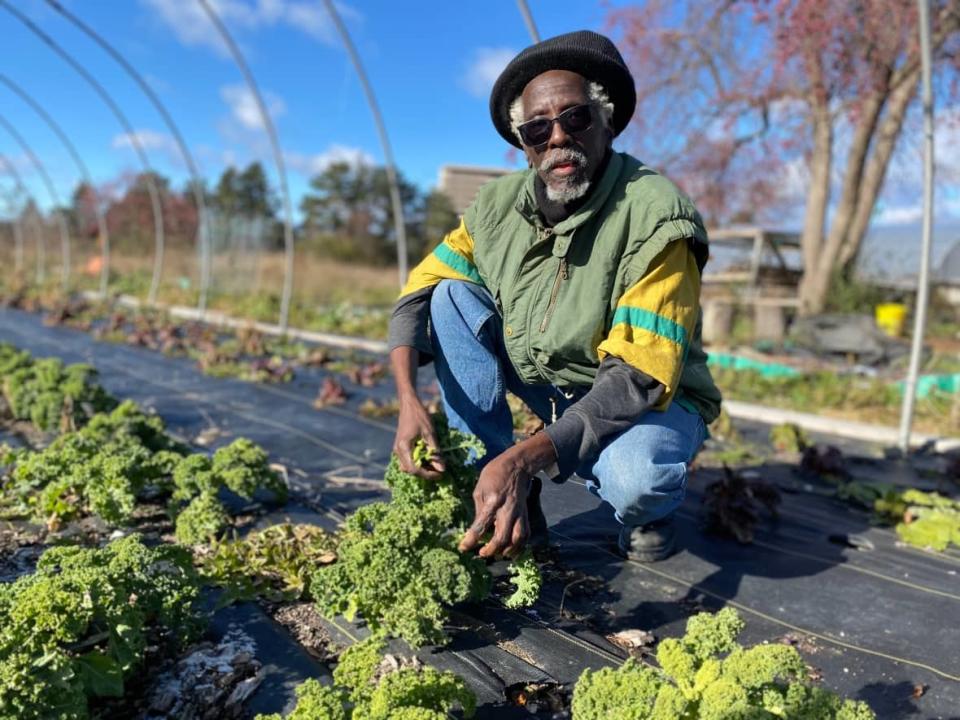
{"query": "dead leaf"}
pixel 632 639
pixel 331 393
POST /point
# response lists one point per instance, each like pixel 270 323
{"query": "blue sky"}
pixel 431 65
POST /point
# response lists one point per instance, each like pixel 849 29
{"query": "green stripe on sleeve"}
pixel 651 322
pixel 456 261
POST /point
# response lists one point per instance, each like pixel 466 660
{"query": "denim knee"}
pixel 458 303
pixel 645 493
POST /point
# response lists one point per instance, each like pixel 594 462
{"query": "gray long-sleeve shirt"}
pixel 620 394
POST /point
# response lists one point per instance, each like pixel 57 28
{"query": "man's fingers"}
pixel 428 471
pixel 403 452
pixel 479 528
pixel 436 460
pixel 502 531
pixel 519 537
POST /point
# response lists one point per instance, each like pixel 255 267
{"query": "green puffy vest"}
pixel 557 288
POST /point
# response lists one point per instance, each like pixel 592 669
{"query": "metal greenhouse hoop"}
pixel 528 20
pixel 54 198
pixel 152 189
pixel 41 271
pixel 203 219
pixel 399 222
pixel 277 157
pixel 102 231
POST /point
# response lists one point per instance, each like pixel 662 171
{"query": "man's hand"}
pixel 500 498
pixel 500 503
pixel 414 422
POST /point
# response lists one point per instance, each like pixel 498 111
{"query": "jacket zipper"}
pixel 561 276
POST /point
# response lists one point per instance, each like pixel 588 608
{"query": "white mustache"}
pixel 560 156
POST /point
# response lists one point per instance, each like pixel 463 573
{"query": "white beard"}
pixel 567 193
pixel 573 187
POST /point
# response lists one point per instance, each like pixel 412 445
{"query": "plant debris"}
pixel 331 393
pixel 789 438
pixel 537 697
pixel 633 641
pixel 733 504
pixel 211 682
pixel 372 409
pixel 825 461
pixel 303 621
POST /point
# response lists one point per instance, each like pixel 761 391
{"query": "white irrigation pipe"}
pixel 923 278
pixel 399 223
pixel 102 232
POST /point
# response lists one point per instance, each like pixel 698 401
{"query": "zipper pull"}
pixel 564 274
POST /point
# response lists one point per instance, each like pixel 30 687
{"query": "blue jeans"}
pixel 642 472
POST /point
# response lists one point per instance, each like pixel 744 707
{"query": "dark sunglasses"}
pixel 573 120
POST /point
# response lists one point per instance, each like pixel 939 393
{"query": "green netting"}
pixel 739 362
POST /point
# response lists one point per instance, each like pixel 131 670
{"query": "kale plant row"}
pixel 708 675
pixel 49 394
pixel 365 687
pixel 107 469
pixel 81 625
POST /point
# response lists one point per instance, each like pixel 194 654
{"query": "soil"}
pixel 303 621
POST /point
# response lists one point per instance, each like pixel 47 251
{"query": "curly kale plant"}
pixel 109 466
pixel 129 420
pixel 80 475
pixel 922 519
pixel 48 394
pixel 527 581
pixel 398 566
pixel 707 675
pixel 79 627
pixel 459 450
pixel 364 690
pixel 241 467
pixel 202 520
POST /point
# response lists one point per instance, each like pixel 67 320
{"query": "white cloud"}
pixel 898 215
pixel 147 139
pixel 310 165
pixel 189 22
pixel 244 108
pixel 484 70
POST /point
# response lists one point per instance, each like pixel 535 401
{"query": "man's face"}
pixel 566 163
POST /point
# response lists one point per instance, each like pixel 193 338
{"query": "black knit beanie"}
pixel 584 52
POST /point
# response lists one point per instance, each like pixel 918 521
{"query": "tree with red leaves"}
pixel 739 101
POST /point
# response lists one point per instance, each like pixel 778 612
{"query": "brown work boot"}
pixel 539 535
pixel 649 543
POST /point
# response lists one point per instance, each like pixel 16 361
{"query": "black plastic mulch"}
pixel 880 624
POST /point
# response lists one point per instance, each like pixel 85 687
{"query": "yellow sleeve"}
pixel 452 259
pixel 654 321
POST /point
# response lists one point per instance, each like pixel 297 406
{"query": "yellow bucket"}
pixel 891 318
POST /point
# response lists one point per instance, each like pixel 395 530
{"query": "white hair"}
pixel 596 94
